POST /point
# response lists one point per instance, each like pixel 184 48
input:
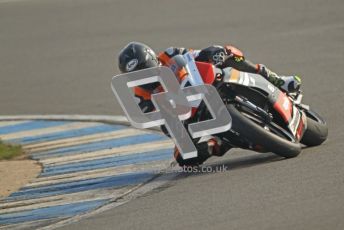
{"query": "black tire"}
pixel 258 135
pixel 316 132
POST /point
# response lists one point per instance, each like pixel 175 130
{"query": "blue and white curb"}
pixel 87 164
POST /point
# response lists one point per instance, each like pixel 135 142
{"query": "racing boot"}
pixel 217 147
pixel 289 84
pixel 212 147
pixel 202 155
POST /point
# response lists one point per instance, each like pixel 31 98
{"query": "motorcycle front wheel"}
pixel 316 132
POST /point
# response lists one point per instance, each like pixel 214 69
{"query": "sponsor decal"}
pixel 293 125
pixel 173 67
pixel 271 88
pixel 131 65
pixel 238 59
pixel 219 57
pixel 286 104
pixel 284 107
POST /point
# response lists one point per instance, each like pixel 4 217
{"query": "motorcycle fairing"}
pixel 207 72
pixel 291 115
pixel 284 107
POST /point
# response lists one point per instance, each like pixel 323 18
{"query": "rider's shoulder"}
pixel 172 51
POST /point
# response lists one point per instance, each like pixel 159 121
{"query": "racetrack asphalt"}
pixel 58 57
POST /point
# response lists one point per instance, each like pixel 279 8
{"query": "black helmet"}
pixel 136 56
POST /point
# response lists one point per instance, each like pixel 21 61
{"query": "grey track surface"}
pixel 58 56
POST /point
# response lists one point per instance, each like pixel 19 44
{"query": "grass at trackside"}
pixel 8 151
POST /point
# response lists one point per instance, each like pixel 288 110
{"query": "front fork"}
pixel 302 108
pixel 246 103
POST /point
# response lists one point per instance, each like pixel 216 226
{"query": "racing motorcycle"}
pixel 264 119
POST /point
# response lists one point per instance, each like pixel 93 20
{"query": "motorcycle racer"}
pixel 136 56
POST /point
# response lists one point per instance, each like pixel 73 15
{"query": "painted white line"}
pixel 49 145
pixel 33 224
pixel 75 117
pixel 141 190
pixel 86 175
pixel 49 130
pixel 120 151
pixel 119 120
pixel 19 206
pixel 90 118
pixel 6 123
